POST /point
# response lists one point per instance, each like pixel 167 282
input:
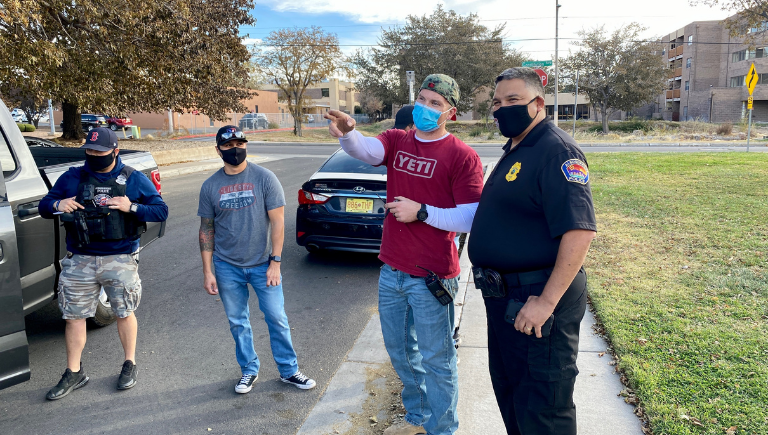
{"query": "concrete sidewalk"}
pixel 600 410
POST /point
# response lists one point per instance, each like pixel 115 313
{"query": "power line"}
pixel 257 27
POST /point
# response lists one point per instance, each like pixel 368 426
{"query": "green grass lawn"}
pixel 679 278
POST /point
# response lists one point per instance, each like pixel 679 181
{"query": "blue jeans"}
pixel 233 288
pixel 418 334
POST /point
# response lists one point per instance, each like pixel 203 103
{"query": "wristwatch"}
pixel 422 214
pixel 275 258
pixel 134 207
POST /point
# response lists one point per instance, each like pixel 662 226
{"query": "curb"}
pixel 206 165
pixel 194 136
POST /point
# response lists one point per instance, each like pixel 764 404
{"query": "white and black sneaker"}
pixel 300 381
pixel 246 383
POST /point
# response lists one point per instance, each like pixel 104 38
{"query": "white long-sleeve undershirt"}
pixel 367 149
pixel 370 150
pixel 458 219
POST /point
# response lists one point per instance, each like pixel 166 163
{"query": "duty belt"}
pixel 494 284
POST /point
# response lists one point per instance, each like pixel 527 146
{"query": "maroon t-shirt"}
pixel 443 173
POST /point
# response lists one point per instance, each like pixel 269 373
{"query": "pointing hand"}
pixel 341 123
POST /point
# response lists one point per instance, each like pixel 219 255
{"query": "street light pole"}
pixel 557 71
pixel 576 104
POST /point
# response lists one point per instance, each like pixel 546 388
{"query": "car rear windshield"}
pixel 342 162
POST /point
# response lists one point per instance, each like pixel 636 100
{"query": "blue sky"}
pixel 360 22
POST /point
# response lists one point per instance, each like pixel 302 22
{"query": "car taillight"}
pixel 312 198
pixel 155 176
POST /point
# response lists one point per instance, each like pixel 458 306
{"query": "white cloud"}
pixel 250 41
pixel 524 19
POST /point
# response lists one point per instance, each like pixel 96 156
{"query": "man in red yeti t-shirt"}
pixel 434 182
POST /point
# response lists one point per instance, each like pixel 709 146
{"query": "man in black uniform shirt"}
pixel 531 232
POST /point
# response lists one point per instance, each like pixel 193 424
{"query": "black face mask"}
pixel 513 120
pixel 99 163
pixel 234 156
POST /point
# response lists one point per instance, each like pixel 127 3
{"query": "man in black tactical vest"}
pixel 104 206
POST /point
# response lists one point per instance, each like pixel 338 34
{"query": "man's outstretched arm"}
pixel 367 149
pixel 206 236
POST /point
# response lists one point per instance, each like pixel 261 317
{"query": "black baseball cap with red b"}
pixel 100 139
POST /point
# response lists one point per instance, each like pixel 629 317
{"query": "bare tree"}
pixel 369 103
pixel 617 71
pixel 294 59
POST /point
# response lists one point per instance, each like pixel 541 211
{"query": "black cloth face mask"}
pixel 99 163
pixel 513 120
pixel 234 156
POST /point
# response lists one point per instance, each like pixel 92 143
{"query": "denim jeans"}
pixel 418 333
pixel 233 288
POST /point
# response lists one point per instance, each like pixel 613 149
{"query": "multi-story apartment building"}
pixel 706 74
pixel 331 94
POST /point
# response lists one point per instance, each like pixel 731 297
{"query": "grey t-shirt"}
pixel 238 205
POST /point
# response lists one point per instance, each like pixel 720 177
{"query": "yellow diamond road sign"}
pixel 751 79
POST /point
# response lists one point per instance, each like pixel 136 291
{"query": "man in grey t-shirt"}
pixel 241 233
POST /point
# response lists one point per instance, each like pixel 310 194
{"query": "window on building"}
pixel 686 85
pixel 749 54
pixel 256 109
pixel 325 92
pixel 736 82
pixel 688 63
pixel 690 39
pixel 763 26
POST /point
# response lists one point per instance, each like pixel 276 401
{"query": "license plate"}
pixel 358 205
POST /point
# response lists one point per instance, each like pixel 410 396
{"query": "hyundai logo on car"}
pixel 359 189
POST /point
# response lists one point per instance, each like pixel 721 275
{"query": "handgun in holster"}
pixel 489 282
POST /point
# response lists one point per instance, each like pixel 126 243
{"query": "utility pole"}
pixel 575 104
pixel 557 71
pixel 50 118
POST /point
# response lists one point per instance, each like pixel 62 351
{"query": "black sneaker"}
pixel 69 381
pixel 300 381
pixel 127 375
pixel 246 383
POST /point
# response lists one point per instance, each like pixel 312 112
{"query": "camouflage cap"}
pixel 443 85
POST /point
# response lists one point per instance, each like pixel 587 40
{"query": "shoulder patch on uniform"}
pixel 575 171
pixel 513 171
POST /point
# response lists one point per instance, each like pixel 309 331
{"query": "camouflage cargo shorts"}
pixel 82 277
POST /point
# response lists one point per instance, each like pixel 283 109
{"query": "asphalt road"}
pixel 185 351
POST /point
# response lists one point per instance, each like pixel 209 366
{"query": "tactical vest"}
pixel 97 222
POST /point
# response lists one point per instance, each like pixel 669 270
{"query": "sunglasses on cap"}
pixel 233 134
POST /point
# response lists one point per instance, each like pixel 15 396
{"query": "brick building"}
pixel 706 74
pixel 331 94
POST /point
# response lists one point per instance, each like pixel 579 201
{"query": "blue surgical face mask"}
pixel 425 118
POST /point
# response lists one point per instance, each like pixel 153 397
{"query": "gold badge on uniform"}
pixel 513 171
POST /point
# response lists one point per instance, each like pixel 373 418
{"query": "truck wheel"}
pixel 113 127
pixel 104 315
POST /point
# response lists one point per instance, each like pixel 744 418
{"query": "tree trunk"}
pixel 604 111
pixel 72 128
pixel 297 124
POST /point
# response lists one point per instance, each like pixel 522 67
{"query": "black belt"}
pixel 526 278
pixel 412 276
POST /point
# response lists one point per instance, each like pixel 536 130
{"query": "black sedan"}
pixel 89 122
pixel 341 207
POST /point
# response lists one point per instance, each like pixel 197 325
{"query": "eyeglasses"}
pixel 230 134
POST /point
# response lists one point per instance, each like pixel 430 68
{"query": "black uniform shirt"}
pixel 537 192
